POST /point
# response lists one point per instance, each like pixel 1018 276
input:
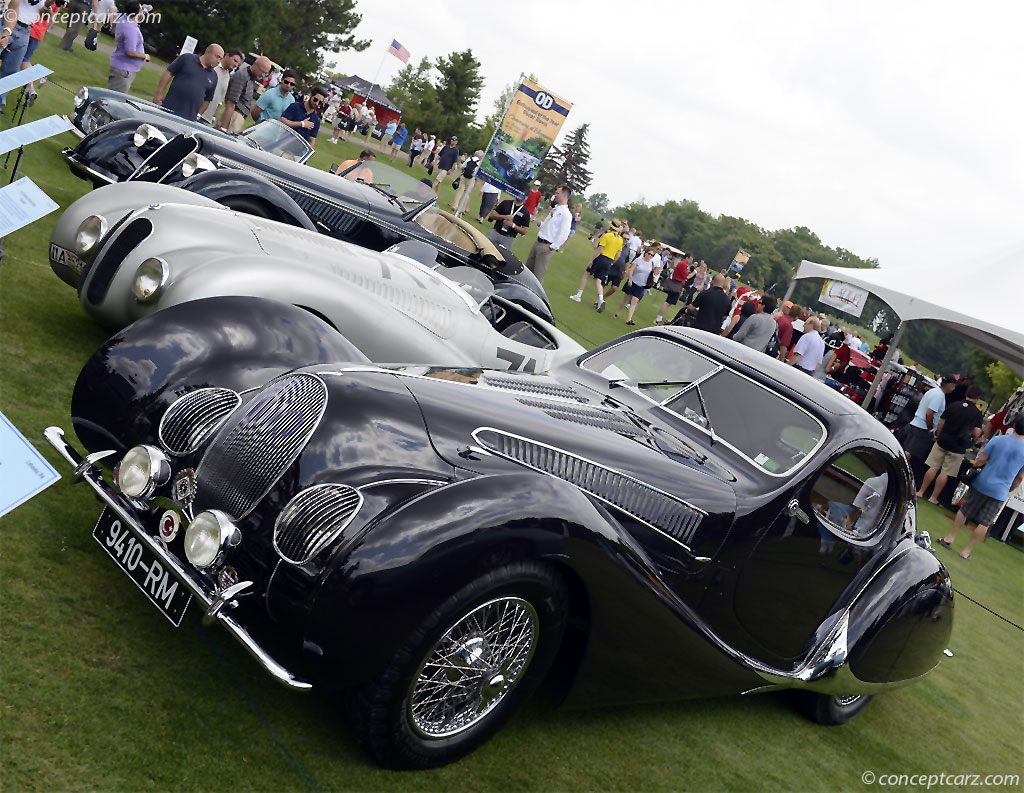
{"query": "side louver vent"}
pixel 314 519
pixel 258 442
pixel 587 416
pixel 540 386
pixel 192 418
pixel 657 509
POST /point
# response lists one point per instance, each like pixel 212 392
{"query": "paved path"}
pixel 101 45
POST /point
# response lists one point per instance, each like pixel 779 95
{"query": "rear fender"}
pixel 250 193
pixel 227 342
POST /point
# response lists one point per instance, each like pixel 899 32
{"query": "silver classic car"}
pixel 396 305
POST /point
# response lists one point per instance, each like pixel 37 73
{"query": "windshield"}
pixel 406 189
pixel 771 432
pixel 473 282
pixel 276 138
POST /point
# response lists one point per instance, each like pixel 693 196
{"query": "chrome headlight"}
pixel 81 96
pixel 208 536
pixel 150 280
pixel 196 163
pixel 146 133
pixel 143 470
pixel 90 232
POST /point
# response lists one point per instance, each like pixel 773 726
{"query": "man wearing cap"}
pixel 551 234
pixel 918 439
pixel 533 198
pixel 446 159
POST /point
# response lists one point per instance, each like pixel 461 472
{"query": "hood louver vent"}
pixel 659 510
pixel 192 418
pixel 314 519
pixel 588 417
pixel 257 444
pixel 541 386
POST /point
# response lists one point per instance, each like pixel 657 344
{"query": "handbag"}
pixel 90 39
pixel 773 347
pixel 456 182
pixel 968 476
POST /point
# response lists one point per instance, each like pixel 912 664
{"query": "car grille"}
pixel 257 443
pixel 656 508
pixel 313 519
pixel 112 255
pixel 193 417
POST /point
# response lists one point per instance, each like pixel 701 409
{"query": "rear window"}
pixel 852 494
pixel 770 431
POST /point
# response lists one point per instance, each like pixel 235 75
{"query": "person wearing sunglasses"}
pixel 304 117
pixel 276 100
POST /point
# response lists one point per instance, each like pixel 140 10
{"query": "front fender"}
pixel 227 342
pixel 247 192
pixel 107 154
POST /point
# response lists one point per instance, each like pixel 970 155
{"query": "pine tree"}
pixel 567 164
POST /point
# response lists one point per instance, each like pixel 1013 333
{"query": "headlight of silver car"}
pixel 196 163
pixel 208 536
pixel 81 96
pixel 90 232
pixel 150 280
pixel 146 133
pixel 142 470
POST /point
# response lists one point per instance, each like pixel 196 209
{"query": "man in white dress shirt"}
pixel 551 234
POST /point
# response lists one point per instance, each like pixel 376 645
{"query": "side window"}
pixel 852 494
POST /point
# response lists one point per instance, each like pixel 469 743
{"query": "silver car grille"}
pixel 314 519
pixel 257 443
pixel 658 509
pixel 192 418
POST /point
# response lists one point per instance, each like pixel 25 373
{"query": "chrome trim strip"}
pixel 74 129
pixel 402 481
pixel 72 160
pixel 55 435
pixel 599 497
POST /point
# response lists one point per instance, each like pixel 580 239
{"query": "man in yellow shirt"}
pixel 605 253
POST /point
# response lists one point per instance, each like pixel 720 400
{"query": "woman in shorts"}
pixel 643 269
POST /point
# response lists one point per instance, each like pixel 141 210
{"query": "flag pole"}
pixel 381 64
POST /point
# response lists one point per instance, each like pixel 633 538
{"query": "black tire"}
pixel 401 730
pixel 832 710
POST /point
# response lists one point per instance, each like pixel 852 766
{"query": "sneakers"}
pixel 31 98
pixel 657 320
pixel 630 322
pixel 576 298
pixel 600 307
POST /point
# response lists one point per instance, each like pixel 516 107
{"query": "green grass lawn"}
pixel 99 692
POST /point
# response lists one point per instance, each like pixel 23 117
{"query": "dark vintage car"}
pixel 671 515
pixel 377 207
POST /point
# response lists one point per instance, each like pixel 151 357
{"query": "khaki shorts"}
pixel 237 122
pixel 947 462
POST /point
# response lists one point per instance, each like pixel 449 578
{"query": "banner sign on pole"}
pixel 845 297
pixel 529 127
pixel 24 472
pixel 740 259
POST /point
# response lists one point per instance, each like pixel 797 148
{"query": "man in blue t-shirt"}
pixel 1003 472
pixel 304 117
pixel 918 439
pixel 194 82
pixel 276 100
pixel 397 140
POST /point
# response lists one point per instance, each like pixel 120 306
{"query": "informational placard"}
pixel 21 203
pixel 845 297
pixel 1016 500
pixel 532 122
pixel 24 472
pixel 33 131
pixel 189 45
pixel 18 79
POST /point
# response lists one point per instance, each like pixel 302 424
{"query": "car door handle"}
pixel 794 511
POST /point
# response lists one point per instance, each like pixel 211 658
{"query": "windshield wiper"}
pixel 646 383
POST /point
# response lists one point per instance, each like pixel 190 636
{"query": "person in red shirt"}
pixel 674 285
pixel 533 198
pixel 784 319
pixel 840 360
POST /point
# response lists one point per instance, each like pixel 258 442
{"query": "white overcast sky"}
pixel 892 129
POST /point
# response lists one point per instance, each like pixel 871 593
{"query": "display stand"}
pixel 19 116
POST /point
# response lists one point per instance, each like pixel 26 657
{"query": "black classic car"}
pixel 377 207
pixel 671 515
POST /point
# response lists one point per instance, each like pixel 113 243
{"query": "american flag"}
pixel 399 51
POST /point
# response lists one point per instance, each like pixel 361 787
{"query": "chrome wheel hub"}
pixel 473 667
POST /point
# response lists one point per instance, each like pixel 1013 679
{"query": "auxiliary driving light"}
pixel 208 536
pixel 150 280
pixel 90 231
pixel 143 470
pixel 146 133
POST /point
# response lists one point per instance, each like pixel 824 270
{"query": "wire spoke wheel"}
pixel 473 667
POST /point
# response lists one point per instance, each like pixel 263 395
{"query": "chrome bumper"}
pixel 74 129
pixel 81 169
pixel 217 605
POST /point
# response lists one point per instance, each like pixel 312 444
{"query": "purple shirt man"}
pixel 127 38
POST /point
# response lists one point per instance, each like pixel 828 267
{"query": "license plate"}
pixel 158 584
pixel 63 256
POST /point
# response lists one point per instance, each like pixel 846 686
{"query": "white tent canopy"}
pixel 981 303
